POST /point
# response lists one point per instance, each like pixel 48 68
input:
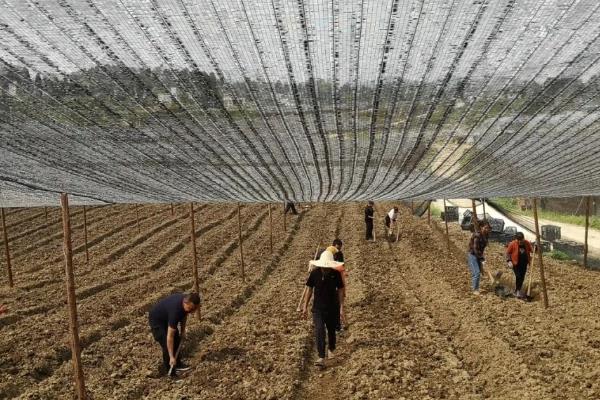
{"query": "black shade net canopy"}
pixel 157 101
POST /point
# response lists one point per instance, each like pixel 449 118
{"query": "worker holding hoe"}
pixel 390 220
pixel 326 283
pixel 518 257
pixel 167 322
pixel 369 216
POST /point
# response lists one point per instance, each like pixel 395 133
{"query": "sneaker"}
pixel 330 354
pixel 320 362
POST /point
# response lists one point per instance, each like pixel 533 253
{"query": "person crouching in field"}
pixel 326 283
pixel 167 322
pixel 390 220
pixel 518 257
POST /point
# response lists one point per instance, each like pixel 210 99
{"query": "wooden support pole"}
pixel 270 229
pixel 172 210
pixel 46 213
pixel 194 254
pixel 241 242
pixel 587 227
pixel 71 302
pixel 284 219
pixel 137 217
pixel 6 249
pixel 446 223
pixel 85 235
pixel 429 213
pixel 539 249
pixel 474 220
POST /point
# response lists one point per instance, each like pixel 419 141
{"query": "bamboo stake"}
pixel 172 210
pixel 397 229
pixel 374 227
pixel 429 214
pixel 284 219
pixel 474 218
pixel 270 229
pixel 539 249
pixel 194 254
pixel 531 274
pixel 71 301
pixel 446 223
pixel 137 217
pixel 587 227
pixel 46 213
pixel 85 235
pixel 241 242
pixel 6 249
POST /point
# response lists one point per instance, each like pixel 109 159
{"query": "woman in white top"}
pixel 390 219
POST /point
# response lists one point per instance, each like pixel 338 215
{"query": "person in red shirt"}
pixel 2 309
pixel 518 257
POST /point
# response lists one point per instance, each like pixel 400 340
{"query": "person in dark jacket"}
pixel 475 257
pixel 369 216
pixel 326 284
pixel 167 321
pixel 518 257
pixel 290 207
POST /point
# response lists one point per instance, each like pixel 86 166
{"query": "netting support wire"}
pixel 270 229
pixel 446 223
pixel 539 252
pixel 6 248
pixel 194 254
pixel 85 235
pixel 241 241
pixel 474 220
pixel 71 301
pixel 587 227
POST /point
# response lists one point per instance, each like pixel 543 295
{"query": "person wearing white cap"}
pixel 325 281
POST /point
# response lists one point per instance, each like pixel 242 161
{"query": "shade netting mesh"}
pixel 310 100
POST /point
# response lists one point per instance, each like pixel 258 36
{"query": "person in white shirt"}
pixel 390 219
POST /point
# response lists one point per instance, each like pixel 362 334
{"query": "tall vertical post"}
pixel 429 213
pixel 85 235
pixel 241 242
pixel 474 218
pixel 587 227
pixel 172 210
pixel 194 254
pixel 6 249
pixel 46 213
pixel 484 214
pixel 284 219
pixel 71 302
pixel 270 229
pixel 446 224
pixel 539 249
pixel 137 217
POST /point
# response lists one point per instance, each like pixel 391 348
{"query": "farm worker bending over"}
pixel 289 206
pixel 390 219
pixel 167 321
pixel 475 258
pixel 518 257
pixel 326 282
pixel 369 215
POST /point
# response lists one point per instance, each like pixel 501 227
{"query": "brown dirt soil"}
pixel 414 330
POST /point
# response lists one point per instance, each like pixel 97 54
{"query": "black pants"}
pixel 520 270
pixel 323 319
pixel 160 335
pixel 388 221
pixel 369 224
pixel 290 207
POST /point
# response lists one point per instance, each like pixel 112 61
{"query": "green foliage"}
pixel 559 255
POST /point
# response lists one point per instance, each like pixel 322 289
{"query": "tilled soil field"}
pixel 414 330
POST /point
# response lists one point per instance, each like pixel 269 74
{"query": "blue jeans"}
pixel 475 267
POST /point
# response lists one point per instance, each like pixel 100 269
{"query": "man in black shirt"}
pixel 326 283
pixel 167 321
pixel 369 216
